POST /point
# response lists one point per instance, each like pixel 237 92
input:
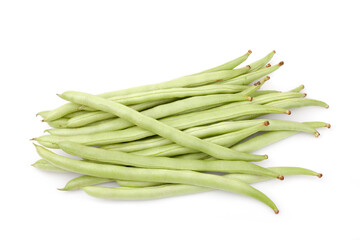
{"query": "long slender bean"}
pixel 261 62
pixel 83 181
pixel 170 190
pixel 44 165
pixel 155 175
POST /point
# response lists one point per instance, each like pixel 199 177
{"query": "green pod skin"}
pixel 229 65
pixel 252 76
pixel 187 81
pixel 96 116
pixel 43 114
pixel 155 175
pixel 268 138
pixel 256 86
pixel 161 111
pixel 180 122
pixel 277 97
pixel 226 140
pixel 261 62
pixel 59 123
pixel 200 132
pixel 135 184
pixel 263 92
pixel 120 158
pixel 297 103
pixel 170 190
pixel 83 181
pixel 298 89
pixel 44 165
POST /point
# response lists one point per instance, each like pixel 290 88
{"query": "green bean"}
pixel 180 122
pixel 298 89
pixel 44 165
pixel 277 97
pixel 187 81
pixel 121 158
pixel 170 190
pixel 263 92
pixel 226 140
pixel 252 76
pixel 135 184
pixel 261 62
pixel 156 113
pixel 256 86
pixel 96 116
pixel 83 181
pixel 59 123
pixel 43 114
pixel 296 103
pixel 229 65
pixel 271 137
pixel 155 175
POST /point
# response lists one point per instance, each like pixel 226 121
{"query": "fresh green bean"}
pixel 134 184
pixel 298 89
pixel 121 158
pixel 277 97
pixel 263 92
pixel 181 122
pixel 256 86
pixel 187 81
pixel 170 190
pixel 44 165
pixel 261 62
pixel 296 103
pixel 155 175
pixel 271 137
pixel 229 65
pixel 226 140
pixel 156 113
pixel 252 76
pixel 83 181
pixel 59 123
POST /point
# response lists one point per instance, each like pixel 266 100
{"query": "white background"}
pixel 47 47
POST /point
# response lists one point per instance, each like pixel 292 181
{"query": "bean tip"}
pixel 250 98
pixel 281 63
pixel 302 86
pixel 276 211
pixel 249 52
pixel 305 94
pixel 328 125
pixel 266 123
pixel 327 106
pixel 268 65
pixel 319 175
pixel 257 83
pixel 33 139
pixel 274 51
pixel 267 78
pixel 288 112
pixel 43 120
pixel 317 134
pixel 280 177
pixel 266 156
pixel 248 66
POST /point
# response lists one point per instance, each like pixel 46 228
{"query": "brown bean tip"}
pixel 266 123
pixel 267 78
pixel 302 86
pixel 327 106
pixel 319 175
pixel 281 63
pixel 268 65
pixel 276 211
pixel 266 156
pixel 248 66
pixel 280 177
pixel 274 51
pixel 250 98
pixel 33 139
pixel 317 134
pixel 305 94
pixel 328 125
pixel 288 112
pixel 43 120
pixel 249 52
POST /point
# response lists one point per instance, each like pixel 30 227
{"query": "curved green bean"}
pixel 83 181
pixel 261 62
pixel 121 158
pixel 170 190
pixel 44 165
pixel 155 175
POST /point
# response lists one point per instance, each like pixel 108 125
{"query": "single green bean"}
pixel 156 113
pixel 187 81
pixel 134 184
pixel 44 165
pixel 59 123
pixel 155 175
pixel 298 89
pixel 83 181
pixel 229 65
pixel 170 190
pixel 256 86
pixel 277 97
pixel 263 92
pixel 121 158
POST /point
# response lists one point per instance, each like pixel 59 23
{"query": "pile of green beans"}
pixel 192 134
